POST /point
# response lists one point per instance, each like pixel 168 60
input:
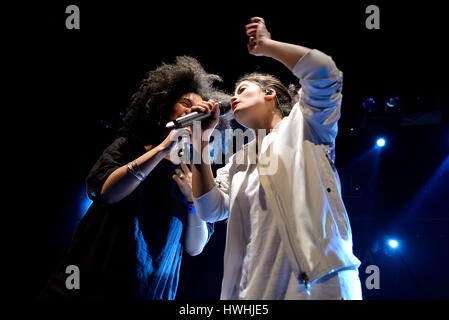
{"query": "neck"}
pixel 270 123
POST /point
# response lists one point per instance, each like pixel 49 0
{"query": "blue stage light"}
pixel 393 243
pixel 85 205
pixel 84 202
pixel 381 142
pixel 392 102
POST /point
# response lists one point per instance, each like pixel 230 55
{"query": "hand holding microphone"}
pixel 207 112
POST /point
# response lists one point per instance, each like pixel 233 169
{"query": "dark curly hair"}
pixel 152 104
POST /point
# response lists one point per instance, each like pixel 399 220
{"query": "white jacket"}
pixel 303 192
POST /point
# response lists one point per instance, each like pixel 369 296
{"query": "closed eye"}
pixel 186 102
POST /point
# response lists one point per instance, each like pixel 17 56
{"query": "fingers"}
pixel 211 105
pixel 177 135
pixel 251 29
pixel 185 171
pixel 216 111
pixel 177 179
pixel 251 25
pixel 251 43
pixel 185 168
pixel 198 108
pixel 205 106
pixel 254 31
pixel 257 19
pixel 179 173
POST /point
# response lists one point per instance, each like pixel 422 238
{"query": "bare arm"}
pixel 121 183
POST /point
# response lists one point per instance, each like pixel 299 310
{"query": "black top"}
pixel 132 248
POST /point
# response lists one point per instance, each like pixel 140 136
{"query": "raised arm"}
pixel 321 81
pixel 211 201
pixel 261 44
pixel 203 179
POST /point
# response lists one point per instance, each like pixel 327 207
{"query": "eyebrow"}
pixel 187 99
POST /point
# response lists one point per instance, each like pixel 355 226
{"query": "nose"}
pixel 234 98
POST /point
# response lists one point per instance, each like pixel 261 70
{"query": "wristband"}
pixel 134 169
pixel 191 208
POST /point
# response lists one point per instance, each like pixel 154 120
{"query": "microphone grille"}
pixel 225 106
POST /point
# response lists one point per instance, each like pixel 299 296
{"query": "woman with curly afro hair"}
pixel 130 242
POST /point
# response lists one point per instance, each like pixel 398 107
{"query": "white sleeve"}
pixel 213 206
pixel 320 94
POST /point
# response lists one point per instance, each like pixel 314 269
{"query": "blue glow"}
pixel 393 243
pixel 381 142
pixel 86 204
pixel 84 201
pixel 430 197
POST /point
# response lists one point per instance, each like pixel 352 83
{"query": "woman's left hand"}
pixel 184 180
pixel 258 36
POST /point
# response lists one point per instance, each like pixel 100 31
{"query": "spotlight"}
pixel 381 142
pixel 369 104
pixel 392 102
pixel 393 243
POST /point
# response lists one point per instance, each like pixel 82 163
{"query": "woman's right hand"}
pixel 170 141
pixel 209 107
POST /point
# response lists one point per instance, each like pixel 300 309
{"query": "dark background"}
pixel 69 87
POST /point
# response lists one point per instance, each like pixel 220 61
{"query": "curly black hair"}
pixel 152 104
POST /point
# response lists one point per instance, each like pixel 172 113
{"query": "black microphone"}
pixel 188 119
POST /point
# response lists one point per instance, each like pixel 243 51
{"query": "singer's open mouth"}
pixel 234 105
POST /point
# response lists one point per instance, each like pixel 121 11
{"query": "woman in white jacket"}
pixel 288 233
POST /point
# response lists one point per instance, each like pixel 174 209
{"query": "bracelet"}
pixel 137 168
pixel 136 173
pixel 191 208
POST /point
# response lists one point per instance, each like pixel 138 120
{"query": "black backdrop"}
pixel 69 87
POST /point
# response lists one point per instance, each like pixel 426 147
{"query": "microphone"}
pixel 188 119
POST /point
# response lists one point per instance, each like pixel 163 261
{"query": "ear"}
pixel 270 94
